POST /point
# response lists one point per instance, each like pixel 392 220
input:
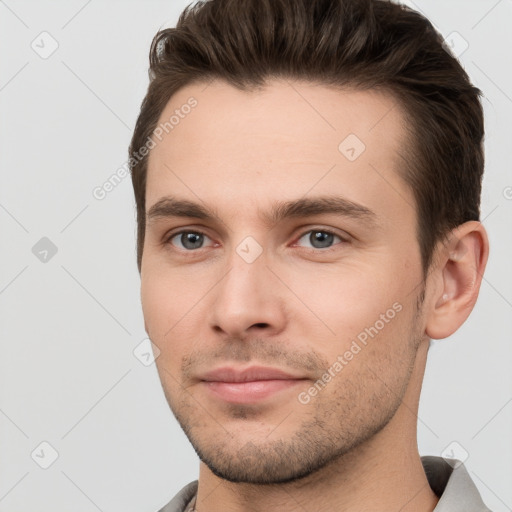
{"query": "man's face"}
pixel 316 294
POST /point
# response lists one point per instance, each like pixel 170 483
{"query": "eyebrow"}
pixel 168 207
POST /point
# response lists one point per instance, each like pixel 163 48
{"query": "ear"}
pixel 460 268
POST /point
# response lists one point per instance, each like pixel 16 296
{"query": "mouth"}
pixel 249 385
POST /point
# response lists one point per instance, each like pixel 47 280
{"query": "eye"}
pixel 190 241
pixel 320 238
pixel 187 240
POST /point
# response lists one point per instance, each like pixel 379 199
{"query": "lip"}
pixel 248 385
pixel 252 373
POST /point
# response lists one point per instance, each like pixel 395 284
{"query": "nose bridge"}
pixel 244 285
pixel 245 296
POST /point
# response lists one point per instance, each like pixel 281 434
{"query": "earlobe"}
pixel 461 267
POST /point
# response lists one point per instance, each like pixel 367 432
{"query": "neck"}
pixel 384 473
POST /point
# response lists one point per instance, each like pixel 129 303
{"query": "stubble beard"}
pixel 338 424
pixel 315 443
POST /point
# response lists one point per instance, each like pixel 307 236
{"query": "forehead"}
pixel 281 141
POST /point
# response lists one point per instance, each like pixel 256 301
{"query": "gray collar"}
pixel 450 481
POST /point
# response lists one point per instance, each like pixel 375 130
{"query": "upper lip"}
pixel 231 374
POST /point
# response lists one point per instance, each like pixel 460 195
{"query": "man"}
pixel 307 176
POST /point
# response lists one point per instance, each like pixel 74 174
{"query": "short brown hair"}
pixel 366 44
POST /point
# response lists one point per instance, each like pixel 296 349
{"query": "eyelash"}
pixel 168 239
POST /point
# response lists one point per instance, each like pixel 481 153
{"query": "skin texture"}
pixel 301 304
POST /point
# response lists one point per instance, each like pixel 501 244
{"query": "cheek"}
pixel 346 299
pixel 361 315
pixel 168 296
pixel 172 302
pixel 161 317
pixel 155 303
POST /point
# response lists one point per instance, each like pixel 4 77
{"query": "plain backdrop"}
pixel 74 397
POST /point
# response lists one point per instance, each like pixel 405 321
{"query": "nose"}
pixel 248 298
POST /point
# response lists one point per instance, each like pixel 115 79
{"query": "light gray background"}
pixel 68 375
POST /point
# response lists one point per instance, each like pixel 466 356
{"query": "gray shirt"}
pixel 451 483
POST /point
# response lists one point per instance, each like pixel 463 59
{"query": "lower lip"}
pixel 252 391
